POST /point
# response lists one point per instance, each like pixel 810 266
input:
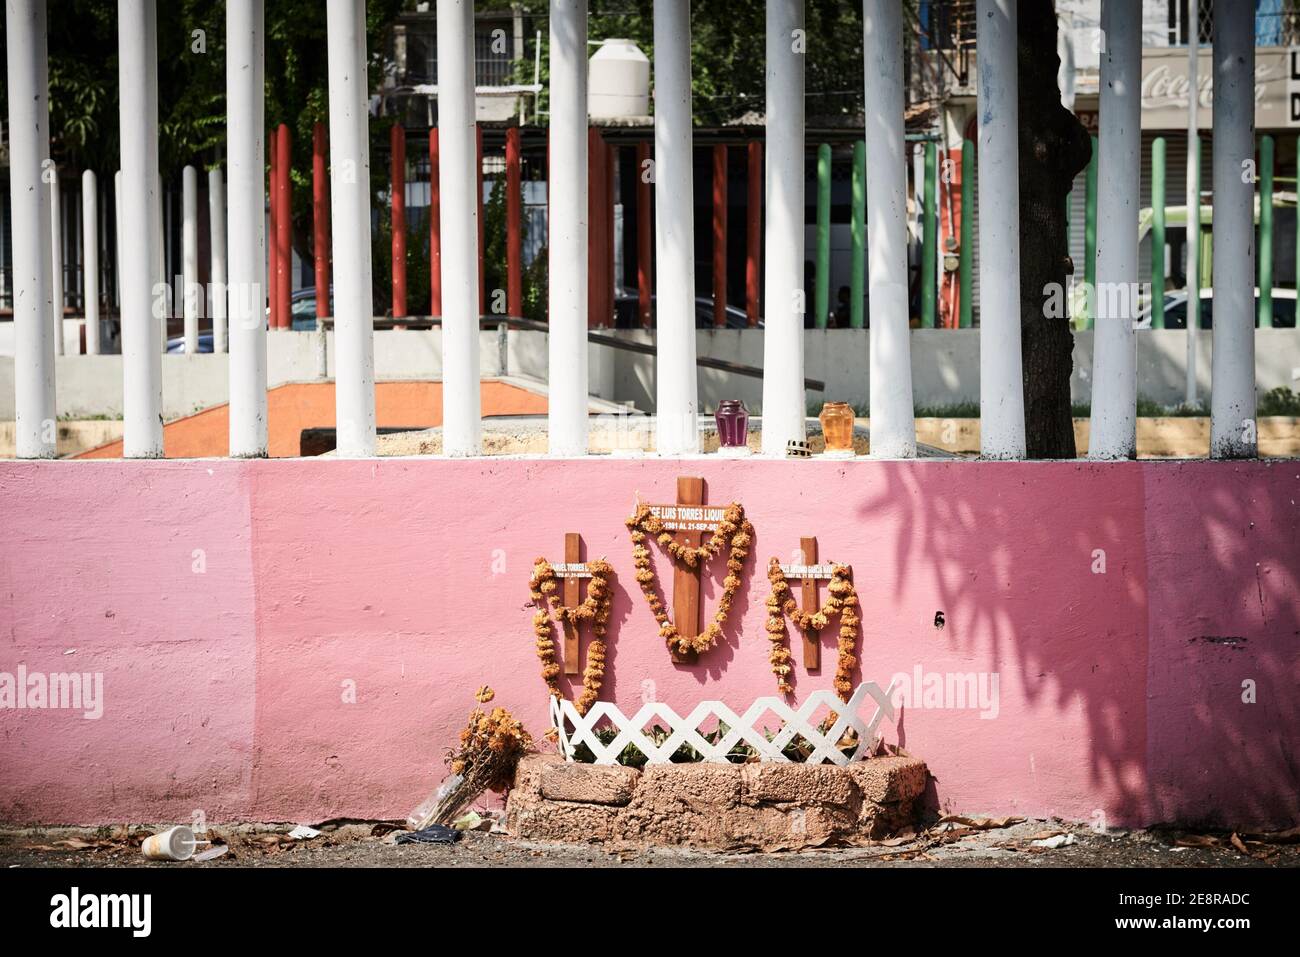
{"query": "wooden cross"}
pixel 688 518
pixel 572 572
pixel 809 573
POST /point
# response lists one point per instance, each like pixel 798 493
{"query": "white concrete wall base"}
pixel 945 367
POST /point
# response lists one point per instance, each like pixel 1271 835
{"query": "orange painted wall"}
pixel 304 405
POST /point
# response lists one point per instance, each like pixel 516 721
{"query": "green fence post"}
pixel 1207 264
pixel 1158 233
pixel 1090 238
pixel 929 238
pixel 858 231
pixel 1194 235
pixel 966 260
pixel 1265 232
pixel 822 293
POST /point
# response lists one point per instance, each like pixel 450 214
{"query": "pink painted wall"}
pixel 1119 693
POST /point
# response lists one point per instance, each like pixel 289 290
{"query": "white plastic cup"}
pixel 174 844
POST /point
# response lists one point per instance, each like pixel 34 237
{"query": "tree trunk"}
pixel 1054 148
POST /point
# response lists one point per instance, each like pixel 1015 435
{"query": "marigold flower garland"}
pixel 843 599
pixel 734 530
pixel 594 608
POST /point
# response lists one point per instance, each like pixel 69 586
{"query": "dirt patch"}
pixel 356 845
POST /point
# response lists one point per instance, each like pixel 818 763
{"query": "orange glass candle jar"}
pixel 837 426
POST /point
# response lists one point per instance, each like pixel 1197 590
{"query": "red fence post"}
pixel 720 236
pixel 435 230
pixel 482 249
pixel 950 216
pixel 284 224
pixel 754 231
pixel 320 214
pixel 596 168
pixel 611 280
pixel 397 150
pixel 644 247
pixel 272 242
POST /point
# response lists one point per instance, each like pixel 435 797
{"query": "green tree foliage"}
pixel 418 267
pixel 494 239
pixel 84 120
pixel 727 40
pixel 728 50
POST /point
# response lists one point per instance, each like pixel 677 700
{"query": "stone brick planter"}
pixel 759 806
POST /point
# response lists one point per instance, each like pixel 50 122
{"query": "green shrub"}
pixel 1279 401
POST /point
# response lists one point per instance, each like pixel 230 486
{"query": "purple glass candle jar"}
pixel 733 423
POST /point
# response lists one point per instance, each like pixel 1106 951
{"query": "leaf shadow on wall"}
pixel 1139 650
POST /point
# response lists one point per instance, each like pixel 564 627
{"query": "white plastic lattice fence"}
pixel 575 729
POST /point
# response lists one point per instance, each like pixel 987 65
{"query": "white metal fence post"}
pixel 1232 386
pixel 161 281
pixel 28 131
pixel 567 285
pixel 56 258
pixel 245 66
pixel 784 412
pixel 1190 397
pixel 1113 432
pixel 90 258
pixel 457 184
pixel 893 427
pixel 141 351
pixel 1002 397
pixel 190 257
pixel 676 388
pixel 217 275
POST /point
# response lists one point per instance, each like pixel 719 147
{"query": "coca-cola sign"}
pixel 1165 88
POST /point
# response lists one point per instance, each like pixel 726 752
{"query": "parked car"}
pixel 627 315
pixel 1284 309
pixel 302 309
pixel 176 344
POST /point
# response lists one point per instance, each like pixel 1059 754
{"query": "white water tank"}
pixel 618 81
